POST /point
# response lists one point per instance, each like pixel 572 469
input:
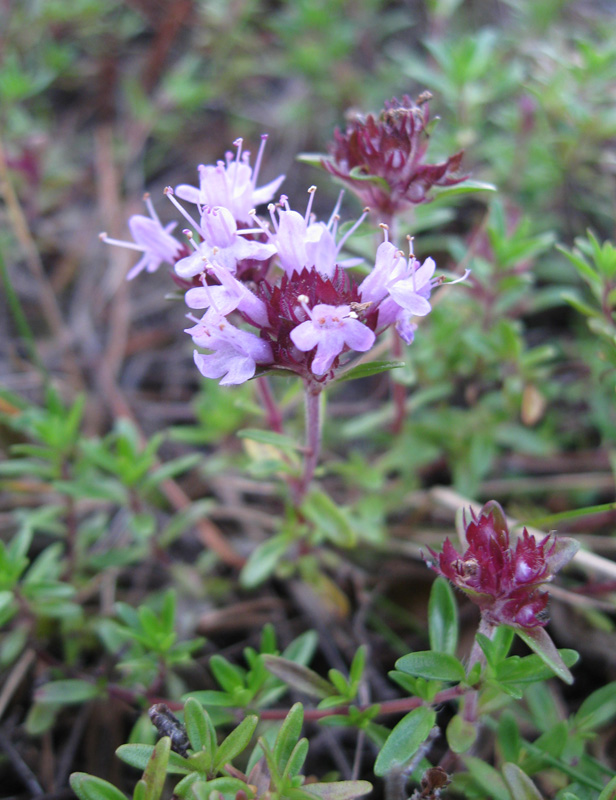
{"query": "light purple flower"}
pixel 303 243
pixel 232 184
pixel 229 296
pixel 235 353
pixel 401 287
pixel 222 244
pixel 151 239
pixel 330 329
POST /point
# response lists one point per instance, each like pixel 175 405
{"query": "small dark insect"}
pixel 433 782
pixel 167 724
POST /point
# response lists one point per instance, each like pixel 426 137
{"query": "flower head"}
pixel 501 579
pixel 391 148
pixel 232 184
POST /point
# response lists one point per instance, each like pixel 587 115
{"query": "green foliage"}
pixel 109 569
pixel 255 686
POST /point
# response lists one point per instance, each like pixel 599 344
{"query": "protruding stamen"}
pixel 119 243
pixel 169 193
pixel 272 212
pixel 311 192
pixel 350 232
pixel 336 212
pixel 150 207
pixel 238 160
pixel 257 167
pixel 191 238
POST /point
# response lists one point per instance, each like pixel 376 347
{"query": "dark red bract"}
pixel 390 147
pixel 501 579
pixel 285 312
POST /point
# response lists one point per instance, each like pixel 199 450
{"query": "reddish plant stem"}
pixel 313 439
pixel 477 656
pixel 272 410
pixel 399 706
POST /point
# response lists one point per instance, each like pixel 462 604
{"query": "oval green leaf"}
pixel 405 739
pixel 431 665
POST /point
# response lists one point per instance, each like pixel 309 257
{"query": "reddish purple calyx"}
pixel 501 578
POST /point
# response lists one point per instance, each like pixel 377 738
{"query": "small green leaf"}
pixel 288 736
pixel 487 778
pixel 138 755
pixel 358 665
pixel 279 440
pixel 357 174
pixel 236 742
pixel 339 790
pixel 66 692
pixel 597 709
pixel 229 676
pixel 329 519
pixel 467 187
pixel 433 666
pixel 443 618
pixel 296 760
pixel 368 369
pixel 314 159
pixel 461 734
pixel 196 725
pixel 405 739
pixel 299 677
pixel 539 641
pixel 226 786
pixel 264 560
pixel 508 736
pixel 530 669
pixel 156 769
pixel 609 791
pixel 519 784
pixel 88 787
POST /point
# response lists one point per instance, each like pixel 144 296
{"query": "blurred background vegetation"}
pixel 511 381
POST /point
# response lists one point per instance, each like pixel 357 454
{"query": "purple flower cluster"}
pixel 501 579
pixel 276 292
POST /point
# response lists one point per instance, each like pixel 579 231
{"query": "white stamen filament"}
pixel 119 243
pixel 169 193
pixel 311 192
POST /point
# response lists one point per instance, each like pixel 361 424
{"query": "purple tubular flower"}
pixel 230 295
pixel 501 579
pixel 150 238
pixel 232 184
pixel 400 287
pixel 235 353
pixel 330 329
pixel 391 148
pixel 222 244
pixel 303 243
